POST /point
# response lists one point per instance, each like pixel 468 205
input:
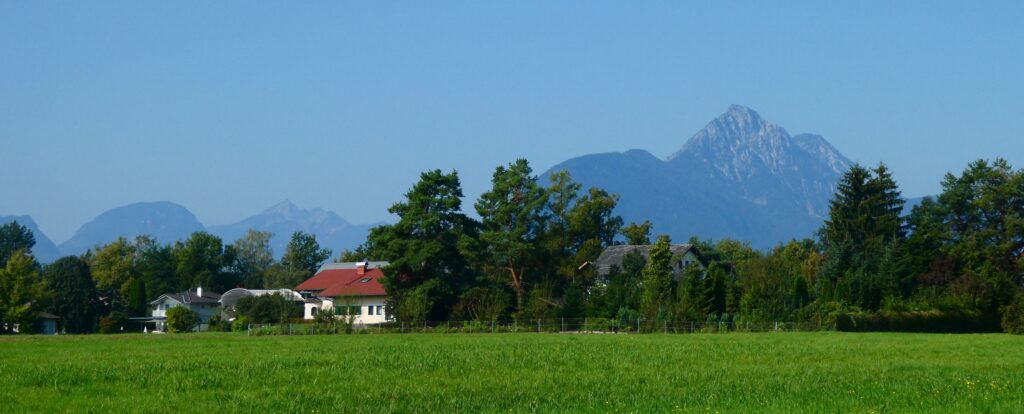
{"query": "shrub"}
pixel 181 319
pixel 218 324
pixel 268 308
pixel 240 324
pixel 113 322
pixel 1013 316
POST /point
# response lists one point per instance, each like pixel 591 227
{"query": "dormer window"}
pixel 364 280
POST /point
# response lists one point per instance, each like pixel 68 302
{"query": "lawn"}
pixel 764 372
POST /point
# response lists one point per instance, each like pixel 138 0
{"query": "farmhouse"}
pixel 683 255
pixel 204 304
pixel 350 289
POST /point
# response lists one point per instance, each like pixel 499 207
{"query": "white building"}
pixel 204 304
pixel 350 289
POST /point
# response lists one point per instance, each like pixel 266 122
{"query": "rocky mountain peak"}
pixel 285 208
pixel 740 176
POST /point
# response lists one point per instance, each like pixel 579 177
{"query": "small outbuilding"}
pixel 48 323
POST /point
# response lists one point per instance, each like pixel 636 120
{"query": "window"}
pixel 380 310
pixel 364 280
pixel 312 311
pixel 348 310
pixel 369 310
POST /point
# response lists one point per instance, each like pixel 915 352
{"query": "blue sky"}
pixel 228 108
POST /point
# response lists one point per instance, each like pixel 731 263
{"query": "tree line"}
pixel 101 289
pixel 953 263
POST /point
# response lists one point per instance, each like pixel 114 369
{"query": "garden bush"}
pixel 1013 316
pixel 115 322
pixel 181 319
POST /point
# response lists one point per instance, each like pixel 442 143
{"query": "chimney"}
pixel 361 268
pixel 199 291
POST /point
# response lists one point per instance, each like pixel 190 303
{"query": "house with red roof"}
pixel 350 289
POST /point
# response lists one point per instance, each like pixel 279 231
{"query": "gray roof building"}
pixel 684 254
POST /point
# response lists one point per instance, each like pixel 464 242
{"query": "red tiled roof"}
pixel 345 282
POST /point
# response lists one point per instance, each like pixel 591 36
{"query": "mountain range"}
pixel 168 222
pixel 740 176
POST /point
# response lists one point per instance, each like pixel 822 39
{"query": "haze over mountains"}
pixel 169 222
pixel 740 176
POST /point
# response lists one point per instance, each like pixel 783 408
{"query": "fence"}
pixel 558 325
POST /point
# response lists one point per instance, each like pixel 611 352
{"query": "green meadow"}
pixel 760 372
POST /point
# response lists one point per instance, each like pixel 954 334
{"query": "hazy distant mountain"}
pixel 740 176
pixel 165 221
pixel 45 250
pixel 169 222
pixel 285 218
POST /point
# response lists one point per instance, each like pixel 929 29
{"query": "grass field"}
pixel 768 372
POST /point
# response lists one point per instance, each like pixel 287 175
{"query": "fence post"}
pixel 585 320
pixel 563 325
pixel 637 325
pixel 538 325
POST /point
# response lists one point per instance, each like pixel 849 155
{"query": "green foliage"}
pixel 416 306
pixel 513 219
pixel 1013 316
pixel 218 324
pixel 74 294
pixel 202 260
pixel 637 234
pixel 426 249
pixel 155 266
pixel 801 293
pixel 112 267
pixel 23 293
pixel 304 253
pixel 114 322
pixel 691 295
pixel 482 304
pixel 181 319
pixel 254 258
pixel 625 284
pixel 137 304
pixel 280 276
pixel 15 237
pixel 240 324
pixel 656 297
pixel 273 308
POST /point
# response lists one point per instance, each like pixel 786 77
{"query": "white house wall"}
pixel 364 303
